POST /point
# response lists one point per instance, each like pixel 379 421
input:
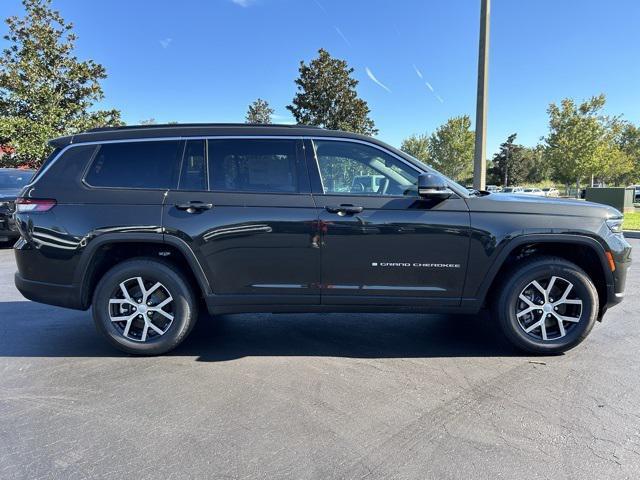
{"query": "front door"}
pixel 245 208
pixel 382 243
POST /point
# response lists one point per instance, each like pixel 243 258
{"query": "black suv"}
pixel 146 224
pixel 12 180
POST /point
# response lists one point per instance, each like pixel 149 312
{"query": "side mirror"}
pixel 432 185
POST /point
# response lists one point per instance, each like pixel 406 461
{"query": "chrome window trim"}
pixel 223 137
pixel 154 139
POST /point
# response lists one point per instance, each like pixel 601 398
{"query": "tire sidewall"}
pixel 583 287
pixel 184 306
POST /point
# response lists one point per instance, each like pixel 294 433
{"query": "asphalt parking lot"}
pixel 315 396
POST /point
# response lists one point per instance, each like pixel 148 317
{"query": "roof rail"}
pixel 187 125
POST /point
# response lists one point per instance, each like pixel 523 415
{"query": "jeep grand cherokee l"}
pixel 147 224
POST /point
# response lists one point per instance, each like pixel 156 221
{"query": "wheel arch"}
pixel 107 250
pixel 584 251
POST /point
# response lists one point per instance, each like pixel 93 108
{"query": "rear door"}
pixel 381 243
pixel 244 207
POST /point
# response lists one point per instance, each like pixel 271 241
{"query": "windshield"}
pixel 14 179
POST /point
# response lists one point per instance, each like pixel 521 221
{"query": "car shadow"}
pixel 34 330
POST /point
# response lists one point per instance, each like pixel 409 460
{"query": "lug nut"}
pixel 555 308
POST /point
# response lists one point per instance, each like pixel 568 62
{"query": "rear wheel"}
pixel 144 307
pixel 547 305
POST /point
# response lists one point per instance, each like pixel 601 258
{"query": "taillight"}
pixel 24 205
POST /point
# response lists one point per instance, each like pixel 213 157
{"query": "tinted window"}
pixel 247 165
pixel 136 165
pixel 353 168
pixel 194 169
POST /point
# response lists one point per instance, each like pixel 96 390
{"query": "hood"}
pixel 530 204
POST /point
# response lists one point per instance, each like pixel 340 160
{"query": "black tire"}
pixel 183 306
pixel 508 301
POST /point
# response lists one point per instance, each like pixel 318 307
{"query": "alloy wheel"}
pixel 548 308
pixel 141 309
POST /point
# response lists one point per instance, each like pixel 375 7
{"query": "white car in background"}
pixel 512 190
pixel 551 192
pixel 533 191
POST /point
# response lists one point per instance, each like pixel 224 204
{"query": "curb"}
pixel 631 233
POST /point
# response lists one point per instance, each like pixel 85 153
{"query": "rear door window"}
pixel 254 165
pixel 147 164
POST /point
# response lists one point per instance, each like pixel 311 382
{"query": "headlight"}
pixel 615 225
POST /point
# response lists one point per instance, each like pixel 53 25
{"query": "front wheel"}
pixel 144 307
pixel 547 305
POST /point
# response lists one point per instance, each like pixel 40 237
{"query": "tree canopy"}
pixel 582 142
pixel 45 91
pixel 451 148
pixel 515 164
pixel 327 96
pixel 259 112
pixel 417 146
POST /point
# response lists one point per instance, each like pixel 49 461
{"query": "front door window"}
pixel 349 168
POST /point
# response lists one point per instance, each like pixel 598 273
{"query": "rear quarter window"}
pixel 149 164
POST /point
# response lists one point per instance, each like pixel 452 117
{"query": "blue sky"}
pixel 205 61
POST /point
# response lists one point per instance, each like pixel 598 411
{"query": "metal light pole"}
pixel 480 154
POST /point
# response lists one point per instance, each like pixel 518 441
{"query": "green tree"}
pixel 259 112
pixel 579 140
pixel 451 148
pixel 515 164
pixel 45 91
pixel 327 97
pixel 417 146
pixel 628 141
pixel 538 166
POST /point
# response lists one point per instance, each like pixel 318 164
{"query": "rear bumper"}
pixel 50 293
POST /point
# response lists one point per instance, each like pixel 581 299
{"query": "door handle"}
pixel 343 210
pixel 193 207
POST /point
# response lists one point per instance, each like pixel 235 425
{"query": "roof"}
pixel 185 130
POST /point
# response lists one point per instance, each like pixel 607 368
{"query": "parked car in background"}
pixel 533 191
pixel 551 192
pixel 11 182
pixel 512 190
pixel 492 189
pixel 636 189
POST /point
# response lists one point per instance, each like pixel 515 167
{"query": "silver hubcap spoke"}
pixel 548 308
pixel 141 309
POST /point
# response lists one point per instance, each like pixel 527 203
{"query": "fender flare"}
pixel 524 239
pixel 84 269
